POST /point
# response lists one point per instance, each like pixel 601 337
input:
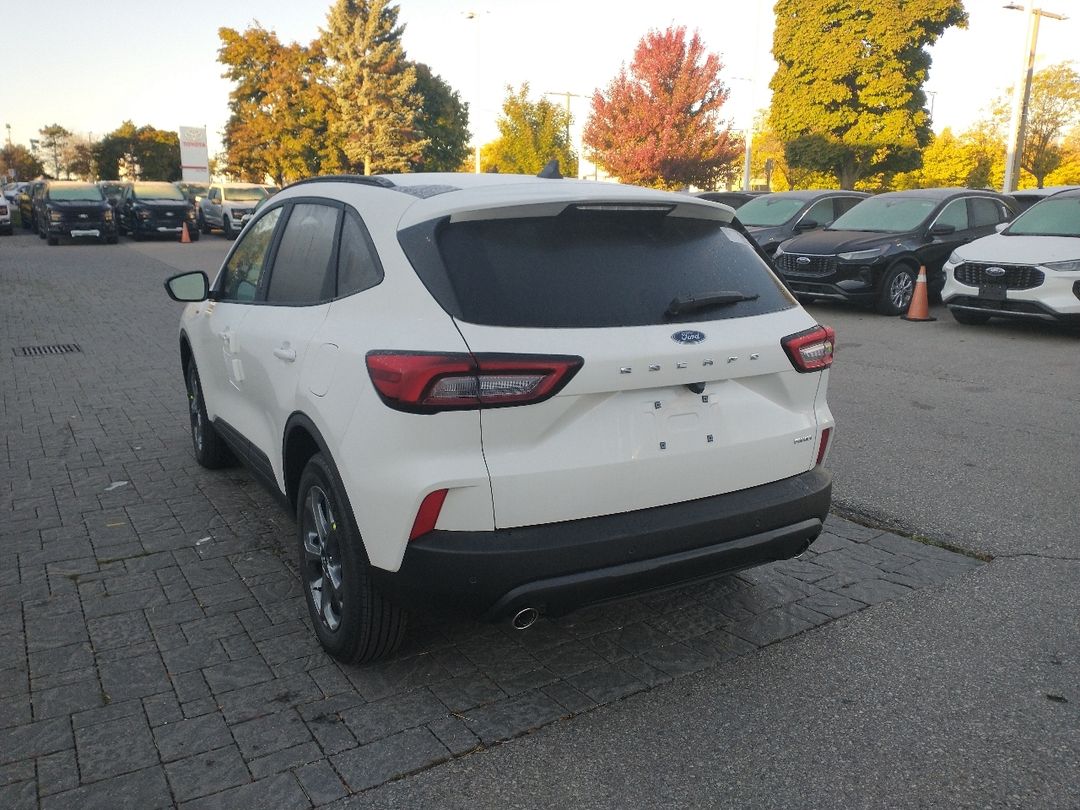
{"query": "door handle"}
pixel 285 353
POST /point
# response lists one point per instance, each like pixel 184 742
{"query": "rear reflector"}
pixel 421 382
pixel 428 514
pixel 811 350
pixel 826 434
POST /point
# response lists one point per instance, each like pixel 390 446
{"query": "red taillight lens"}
pixel 826 434
pixel 428 514
pixel 811 350
pixel 426 383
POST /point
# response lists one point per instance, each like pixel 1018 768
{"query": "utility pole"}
pixel 1022 93
pixel 568 96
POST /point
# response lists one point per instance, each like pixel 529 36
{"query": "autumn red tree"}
pixel 659 123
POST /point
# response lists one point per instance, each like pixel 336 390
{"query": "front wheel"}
pixel 226 228
pixel 896 290
pixel 53 241
pixel 353 622
pixel 210 449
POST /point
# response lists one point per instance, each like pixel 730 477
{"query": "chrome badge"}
pixel 995 272
pixel 803 260
pixel 688 336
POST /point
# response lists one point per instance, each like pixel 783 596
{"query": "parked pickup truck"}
pixel 228 206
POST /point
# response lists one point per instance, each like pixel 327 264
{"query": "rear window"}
pixel 584 269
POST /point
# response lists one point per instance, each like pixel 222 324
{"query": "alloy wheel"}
pixel 322 558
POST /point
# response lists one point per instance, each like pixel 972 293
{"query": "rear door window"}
pixel 589 268
pixel 821 212
pixel 955 214
pixel 985 212
pixel 301 273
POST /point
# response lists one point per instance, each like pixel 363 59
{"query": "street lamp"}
pixel 475 17
pixel 749 132
pixel 1022 92
pixel 568 96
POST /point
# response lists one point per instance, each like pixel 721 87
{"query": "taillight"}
pixel 825 435
pixel 811 350
pixel 421 382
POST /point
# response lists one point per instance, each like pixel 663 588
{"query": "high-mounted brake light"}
pixel 422 382
pixel 811 350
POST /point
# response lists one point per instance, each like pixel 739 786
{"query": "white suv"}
pixel 507 395
pixel 229 206
pixel 1030 270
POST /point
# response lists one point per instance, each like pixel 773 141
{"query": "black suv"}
pixel 775 218
pixel 872 254
pixel 74 209
pixel 156 209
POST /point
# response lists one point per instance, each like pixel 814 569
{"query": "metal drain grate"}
pixel 52 348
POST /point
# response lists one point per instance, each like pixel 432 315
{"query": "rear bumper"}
pixel 561 566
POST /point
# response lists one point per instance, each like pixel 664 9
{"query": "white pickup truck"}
pixel 228 206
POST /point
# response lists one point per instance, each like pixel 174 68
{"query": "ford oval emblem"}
pixel 803 260
pixel 996 272
pixel 688 336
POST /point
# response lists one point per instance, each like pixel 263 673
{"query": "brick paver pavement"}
pixel 155 645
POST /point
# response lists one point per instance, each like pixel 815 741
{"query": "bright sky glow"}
pixel 157 64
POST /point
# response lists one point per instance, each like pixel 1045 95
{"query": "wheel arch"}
pixel 301 440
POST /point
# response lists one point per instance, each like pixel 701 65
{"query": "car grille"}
pixel 78 216
pixel 816 266
pixel 1017 277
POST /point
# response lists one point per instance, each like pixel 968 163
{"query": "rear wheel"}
pixel 353 621
pixel 969 318
pixel 896 290
pixel 210 449
pixel 202 224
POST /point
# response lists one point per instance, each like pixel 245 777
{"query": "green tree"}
pixel 767 159
pixel 530 134
pixel 280 107
pixel 80 159
pixel 847 92
pixel 1054 107
pixel 659 123
pixel 54 139
pixel 138 153
pixel 442 122
pixel 374 84
pixel 17 158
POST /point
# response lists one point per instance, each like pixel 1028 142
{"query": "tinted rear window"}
pixel 589 269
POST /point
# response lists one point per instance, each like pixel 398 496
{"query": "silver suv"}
pixel 228 207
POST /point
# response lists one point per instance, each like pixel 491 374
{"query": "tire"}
pixel 226 228
pixel 53 241
pixel 193 234
pixel 210 449
pixel 353 621
pixel 27 223
pixel 136 234
pixel 202 224
pixel 897 287
pixel 112 240
pixel 969 318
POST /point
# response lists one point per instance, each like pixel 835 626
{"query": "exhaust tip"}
pixel 525 618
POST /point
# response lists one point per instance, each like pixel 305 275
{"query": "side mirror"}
pixel 187 287
pixel 806 225
pixel 1001 226
pixel 941 229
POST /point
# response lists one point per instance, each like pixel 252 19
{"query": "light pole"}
pixel 748 136
pixel 933 98
pixel 1022 92
pixel 474 17
pixel 568 96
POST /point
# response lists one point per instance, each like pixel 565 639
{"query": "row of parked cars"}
pixel 104 210
pixel 986 254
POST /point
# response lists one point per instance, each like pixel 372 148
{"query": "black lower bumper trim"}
pixel 559 567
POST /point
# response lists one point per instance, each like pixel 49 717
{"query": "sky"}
pixel 156 63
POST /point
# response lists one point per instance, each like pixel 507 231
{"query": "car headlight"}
pixel 142 213
pixel 1064 267
pixel 955 259
pixel 55 216
pixel 107 214
pixel 859 255
pixel 191 213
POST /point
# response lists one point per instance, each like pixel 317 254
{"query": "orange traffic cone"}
pixel 919 308
pixel 184 237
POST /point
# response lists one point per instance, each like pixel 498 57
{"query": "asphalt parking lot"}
pixel 157 651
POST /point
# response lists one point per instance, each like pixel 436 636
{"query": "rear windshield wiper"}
pixel 680 306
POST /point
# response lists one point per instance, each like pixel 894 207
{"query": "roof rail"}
pixel 362 179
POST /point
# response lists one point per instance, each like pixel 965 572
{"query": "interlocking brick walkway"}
pixel 154 644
